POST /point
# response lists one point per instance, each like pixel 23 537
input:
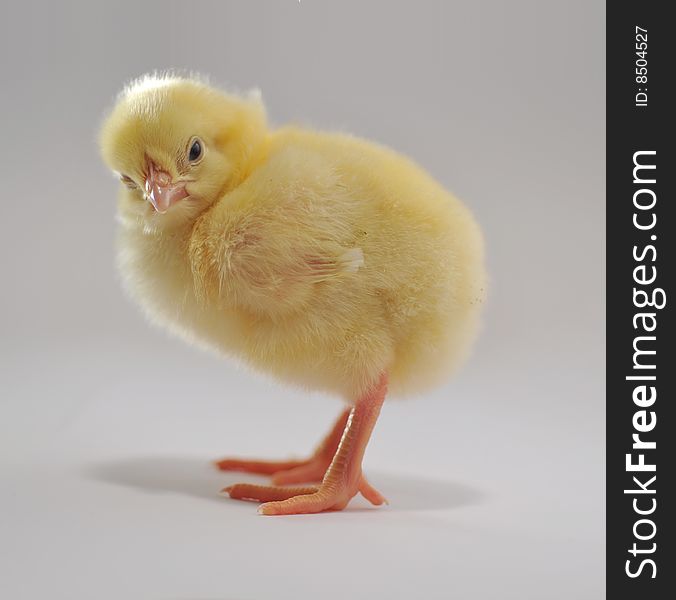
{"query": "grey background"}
pixel 107 425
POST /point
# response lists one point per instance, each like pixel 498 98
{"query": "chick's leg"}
pixel 294 471
pixel 315 468
pixel 344 477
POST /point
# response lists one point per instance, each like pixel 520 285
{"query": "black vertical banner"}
pixel 641 261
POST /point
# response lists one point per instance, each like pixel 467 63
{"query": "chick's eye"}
pixel 128 181
pixel 195 151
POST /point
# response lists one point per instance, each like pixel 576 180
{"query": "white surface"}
pixel 107 427
pixel 495 486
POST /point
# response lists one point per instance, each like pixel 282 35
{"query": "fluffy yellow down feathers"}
pixel 319 258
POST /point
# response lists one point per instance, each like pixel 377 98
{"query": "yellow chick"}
pixel 320 258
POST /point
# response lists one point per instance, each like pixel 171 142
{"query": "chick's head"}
pixel 178 145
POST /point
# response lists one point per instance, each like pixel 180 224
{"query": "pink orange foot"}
pixel 280 500
pixel 282 472
pixel 259 467
pixel 343 479
pixel 293 471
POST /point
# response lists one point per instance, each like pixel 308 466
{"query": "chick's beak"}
pixel 161 191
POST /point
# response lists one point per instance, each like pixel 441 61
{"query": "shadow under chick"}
pixel 197 478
